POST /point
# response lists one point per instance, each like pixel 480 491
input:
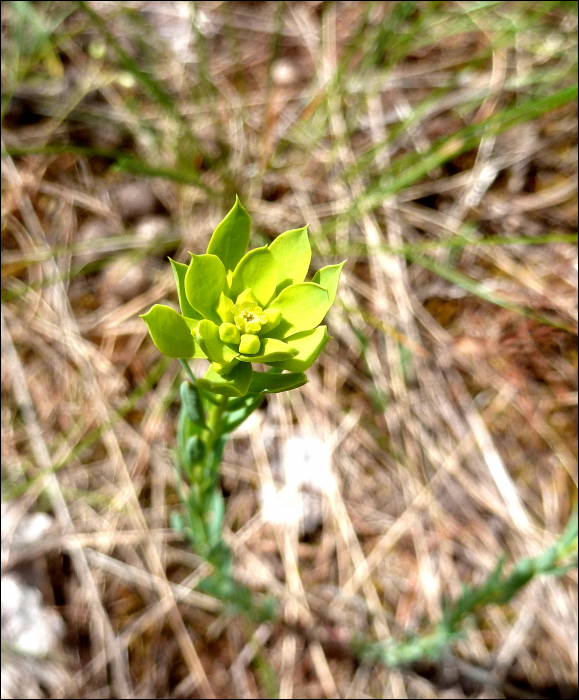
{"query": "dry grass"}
pixel 433 145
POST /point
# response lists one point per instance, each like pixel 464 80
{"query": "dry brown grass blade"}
pixel 107 643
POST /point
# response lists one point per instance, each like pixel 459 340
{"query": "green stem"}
pixel 187 369
pixel 211 435
pixel 214 422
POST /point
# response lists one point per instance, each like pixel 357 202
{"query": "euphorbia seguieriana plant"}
pixel 239 308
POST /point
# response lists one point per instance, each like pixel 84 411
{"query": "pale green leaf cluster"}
pixel 239 308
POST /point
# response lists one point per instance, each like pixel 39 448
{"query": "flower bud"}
pixel 249 344
pixel 229 333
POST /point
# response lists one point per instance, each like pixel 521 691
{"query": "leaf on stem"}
pixel 292 253
pixel 179 271
pixel 204 282
pixel 308 345
pixel 169 331
pixel 257 270
pixel 269 383
pixel 236 416
pixel 193 404
pixel 329 277
pixel 302 308
pixel 234 383
pixel 231 237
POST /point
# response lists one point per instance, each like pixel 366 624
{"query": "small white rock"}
pixel 150 227
pixel 284 72
pixel 133 199
pixel 125 279
pixel 305 469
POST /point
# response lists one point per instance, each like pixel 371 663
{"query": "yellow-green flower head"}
pixel 240 307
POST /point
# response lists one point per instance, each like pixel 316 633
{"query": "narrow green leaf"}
pixel 144 77
pixel 204 282
pixel 234 404
pixel 179 271
pixel 191 399
pixel 308 346
pixel 169 331
pixel 214 457
pixel 410 167
pixel 176 522
pixel 124 163
pixel 208 396
pixel 271 350
pixel 268 383
pixel 257 270
pixel 235 417
pixel 481 290
pixel 212 345
pixel 302 307
pixel 231 237
pixel 216 512
pixel 185 430
pixel 195 523
pixel 292 254
pixel 194 450
pixel 235 383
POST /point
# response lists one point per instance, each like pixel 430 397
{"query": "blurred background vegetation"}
pixel 433 145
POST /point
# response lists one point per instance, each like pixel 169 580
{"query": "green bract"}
pixel 240 307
